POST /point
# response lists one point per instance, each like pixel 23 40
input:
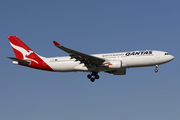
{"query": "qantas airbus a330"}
pixel 113 63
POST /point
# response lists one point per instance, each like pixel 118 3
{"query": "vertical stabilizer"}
pixel 20 49
pixel 23 52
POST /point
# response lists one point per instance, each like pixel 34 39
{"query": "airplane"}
pixel 112 63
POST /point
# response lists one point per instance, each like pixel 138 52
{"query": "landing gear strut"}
pixel 93 76
pixel 156 70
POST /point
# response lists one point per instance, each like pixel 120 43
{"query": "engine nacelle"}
pixel 115 64
pixel 118 72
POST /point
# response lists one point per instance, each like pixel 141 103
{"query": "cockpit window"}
pixel 166 53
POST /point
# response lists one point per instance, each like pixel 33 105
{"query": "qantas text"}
pixel 139 53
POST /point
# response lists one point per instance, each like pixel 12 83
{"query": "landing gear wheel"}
pixel 97 77
pixel 89 76
pixel 156 70
pixel 94 75
pixel 92 79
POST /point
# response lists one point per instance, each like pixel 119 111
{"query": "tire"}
pixel 89 76
pixel 97 77
pixel 92 79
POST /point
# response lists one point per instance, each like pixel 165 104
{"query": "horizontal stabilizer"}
pixel 19 60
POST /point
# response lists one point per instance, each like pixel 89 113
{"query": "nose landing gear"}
pixel 156 70
pixel 93 76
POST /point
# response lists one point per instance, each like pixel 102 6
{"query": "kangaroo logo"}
pixel 24 52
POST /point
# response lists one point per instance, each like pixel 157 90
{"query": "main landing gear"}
pixel 156 70
pixel 93 76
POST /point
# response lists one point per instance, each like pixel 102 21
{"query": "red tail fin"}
pixel 23 52
pixel 20 49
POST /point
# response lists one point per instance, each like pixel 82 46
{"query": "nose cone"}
pixel 171 57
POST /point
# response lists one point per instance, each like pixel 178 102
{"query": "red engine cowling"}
pixel 117 72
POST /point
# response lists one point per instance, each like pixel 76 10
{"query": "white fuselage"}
pixel 125 60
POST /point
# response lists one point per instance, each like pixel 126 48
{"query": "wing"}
pixel 88 60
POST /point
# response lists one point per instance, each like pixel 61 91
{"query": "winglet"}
pixel 56 44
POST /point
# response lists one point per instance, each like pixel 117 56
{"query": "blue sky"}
pixel 96 26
